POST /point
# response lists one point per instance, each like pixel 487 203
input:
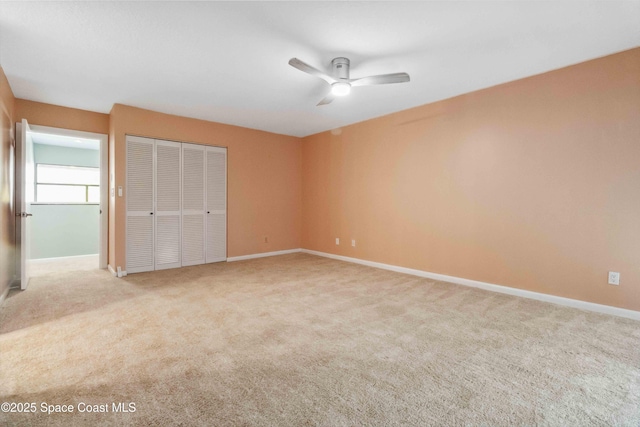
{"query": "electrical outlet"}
pixel 614 278
pixel 353 242
pixel 337 240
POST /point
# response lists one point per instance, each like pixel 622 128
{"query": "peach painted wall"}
pixel 7 161
pixel 38 113
pixel 264 179
pixel 533 184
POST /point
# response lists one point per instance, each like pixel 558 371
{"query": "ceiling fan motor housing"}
pixel 340 68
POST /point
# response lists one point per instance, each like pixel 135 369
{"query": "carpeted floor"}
pixel 44 267
pixel 301 340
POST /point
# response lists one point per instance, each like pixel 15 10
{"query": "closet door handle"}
pixel 150 213
pixel 208 212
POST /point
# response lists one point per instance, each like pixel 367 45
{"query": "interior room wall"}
pixel 62 230
pixel 66 156
pixel 38 113
pixel 263 184
pixel 65 230
pixel 7 212
pixel 532 184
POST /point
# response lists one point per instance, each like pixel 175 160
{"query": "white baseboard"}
pixel 583 305
pixel 262 255
pixel 74 257
pixel 115 273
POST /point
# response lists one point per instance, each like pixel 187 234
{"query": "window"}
pixel 67 184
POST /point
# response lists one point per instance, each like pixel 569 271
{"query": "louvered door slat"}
pixel 167 177
pixel 168 205
pixel 139 205
pixel 216 180
pixel 193 239
pixel 216 199
pixel 139 243
pixel 193 214
pixel 139 175
pixel 167 241
pixel 216 237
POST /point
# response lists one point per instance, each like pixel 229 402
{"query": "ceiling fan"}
pixel 339 79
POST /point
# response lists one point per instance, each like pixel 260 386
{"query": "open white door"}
pixel 25 196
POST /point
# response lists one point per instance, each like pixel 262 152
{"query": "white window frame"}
pixel 86 191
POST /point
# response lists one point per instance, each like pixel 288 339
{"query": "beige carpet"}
pixel 44 267
pixel 299 340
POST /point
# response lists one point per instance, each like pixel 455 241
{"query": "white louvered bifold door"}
pixel 139 197
pixel 168 210
pixel 193 213
pixel 216 198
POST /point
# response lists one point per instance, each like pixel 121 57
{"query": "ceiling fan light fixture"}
pixel 339 78
pixel 340 88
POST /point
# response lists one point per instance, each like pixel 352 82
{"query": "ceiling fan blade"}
pixel 382 79
pixel 326 100
pixel 303 66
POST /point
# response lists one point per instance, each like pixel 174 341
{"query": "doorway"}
pixel 62 176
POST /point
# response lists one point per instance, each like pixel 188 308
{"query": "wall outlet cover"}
pixel 614 278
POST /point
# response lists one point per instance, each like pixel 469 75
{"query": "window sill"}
pixel 64 203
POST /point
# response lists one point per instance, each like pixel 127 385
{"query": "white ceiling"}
pixel 227 61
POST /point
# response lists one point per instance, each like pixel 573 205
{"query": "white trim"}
pixel 264 254
pixel 64 204
pixel 112 271
pixel 104 202
pixel 583 305
pixel 62 258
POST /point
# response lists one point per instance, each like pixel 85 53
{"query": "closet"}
pixel 176 203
